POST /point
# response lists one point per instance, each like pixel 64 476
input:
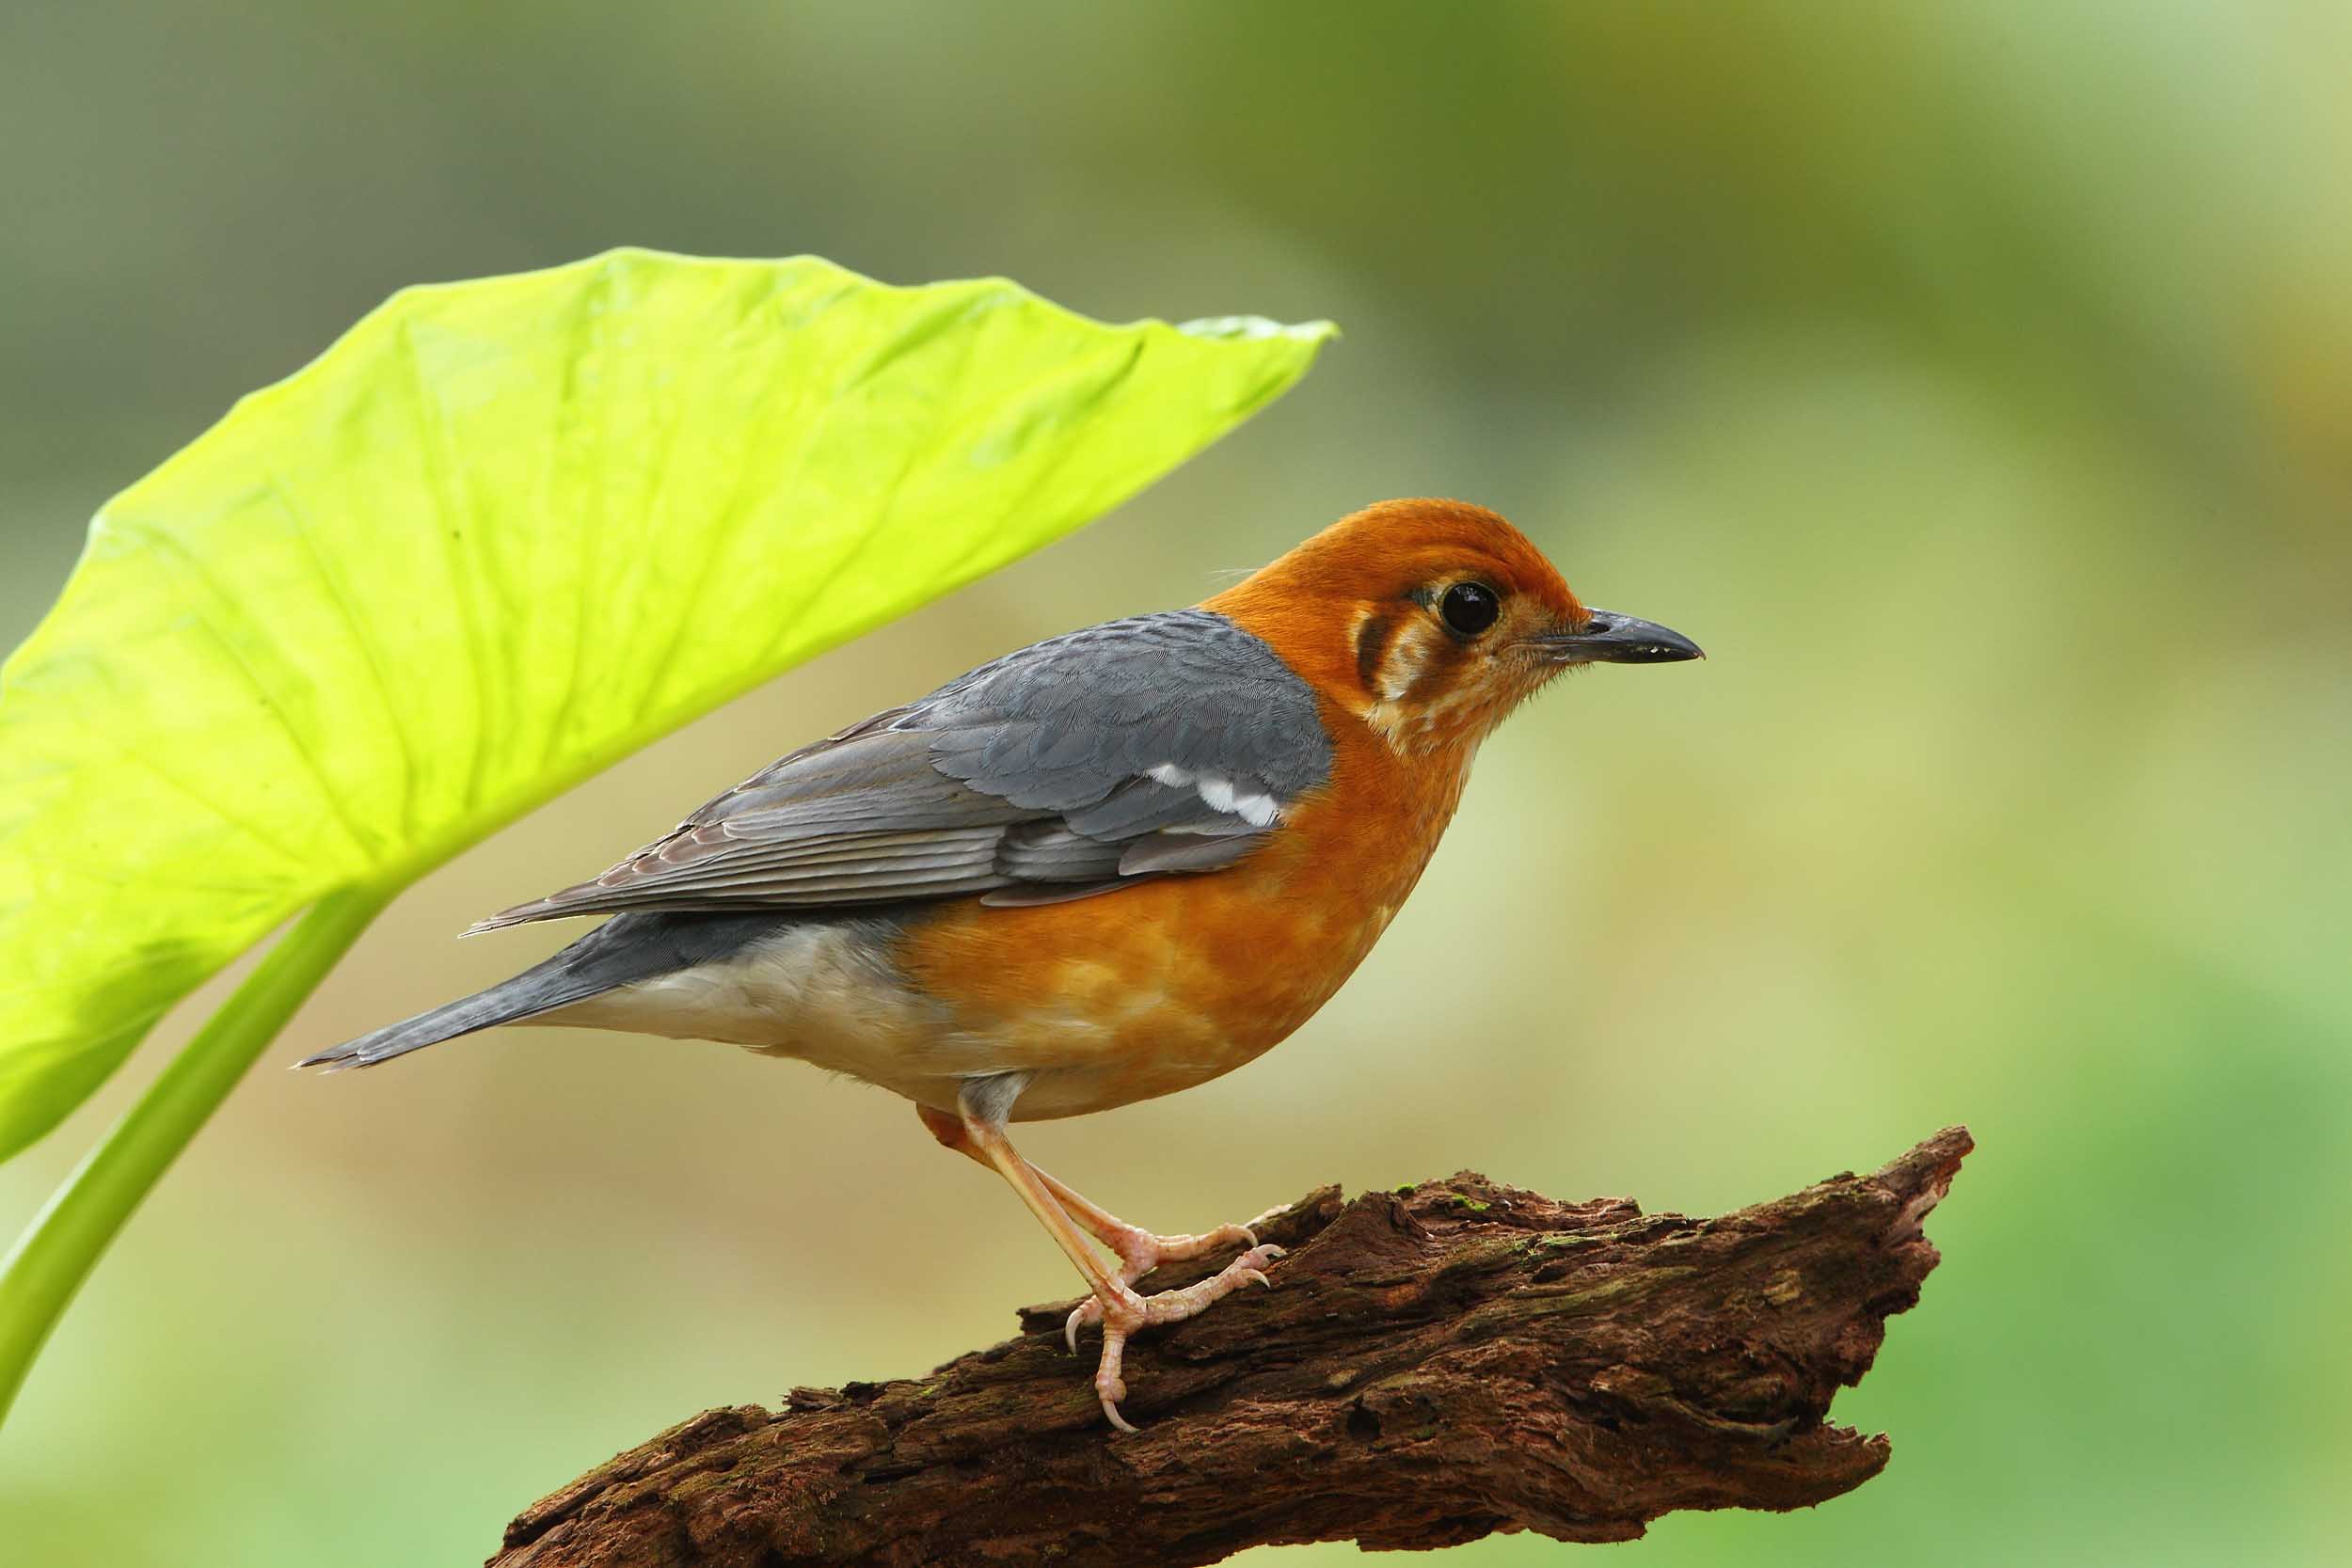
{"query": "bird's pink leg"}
pixel 1115 1303
pixel 1140 1251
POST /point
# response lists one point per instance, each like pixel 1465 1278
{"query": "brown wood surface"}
pixel 1433 1365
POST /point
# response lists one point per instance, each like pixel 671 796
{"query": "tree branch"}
pixel 1432 1365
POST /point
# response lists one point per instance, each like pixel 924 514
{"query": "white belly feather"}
pixel 820 992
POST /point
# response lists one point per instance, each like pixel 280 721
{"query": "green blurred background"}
pixel 1974 380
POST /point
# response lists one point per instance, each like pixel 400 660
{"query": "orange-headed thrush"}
pixel 1108 866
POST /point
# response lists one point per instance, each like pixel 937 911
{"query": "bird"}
pixel 1108 866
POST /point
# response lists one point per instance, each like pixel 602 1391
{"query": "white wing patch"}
pixel 1259 811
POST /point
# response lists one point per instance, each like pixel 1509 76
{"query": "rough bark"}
pixel 1433 1363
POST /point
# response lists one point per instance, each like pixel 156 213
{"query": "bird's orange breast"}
pixel 1155 988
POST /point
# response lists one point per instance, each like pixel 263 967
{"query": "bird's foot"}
pixel 1140 1251
pixel 1126 1311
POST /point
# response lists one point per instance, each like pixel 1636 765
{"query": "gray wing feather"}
pixel 1159 853
pixel 1160 744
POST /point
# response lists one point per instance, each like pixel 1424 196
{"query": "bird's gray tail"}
pixel 623 950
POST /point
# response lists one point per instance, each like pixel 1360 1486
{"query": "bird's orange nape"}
pixel 1358 611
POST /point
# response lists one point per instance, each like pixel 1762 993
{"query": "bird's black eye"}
pixel 1469 608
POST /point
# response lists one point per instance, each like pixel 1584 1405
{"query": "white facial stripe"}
pixel 1405 661
pixel 1259 811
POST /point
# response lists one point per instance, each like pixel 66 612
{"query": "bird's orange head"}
pixel 1431 619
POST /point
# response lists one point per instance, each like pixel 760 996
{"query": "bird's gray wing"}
pixel 1160 744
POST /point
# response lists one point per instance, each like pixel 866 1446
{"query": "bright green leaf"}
pixel 499 535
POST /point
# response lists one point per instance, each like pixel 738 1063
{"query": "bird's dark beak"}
pixel 1609 638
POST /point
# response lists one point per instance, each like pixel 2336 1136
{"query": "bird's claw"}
pixel 1089 1311
pixel 1140 1251
pixel 1110 1408
pixel 1128 1312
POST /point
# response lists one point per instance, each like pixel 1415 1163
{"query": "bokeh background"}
pixel 1974 380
